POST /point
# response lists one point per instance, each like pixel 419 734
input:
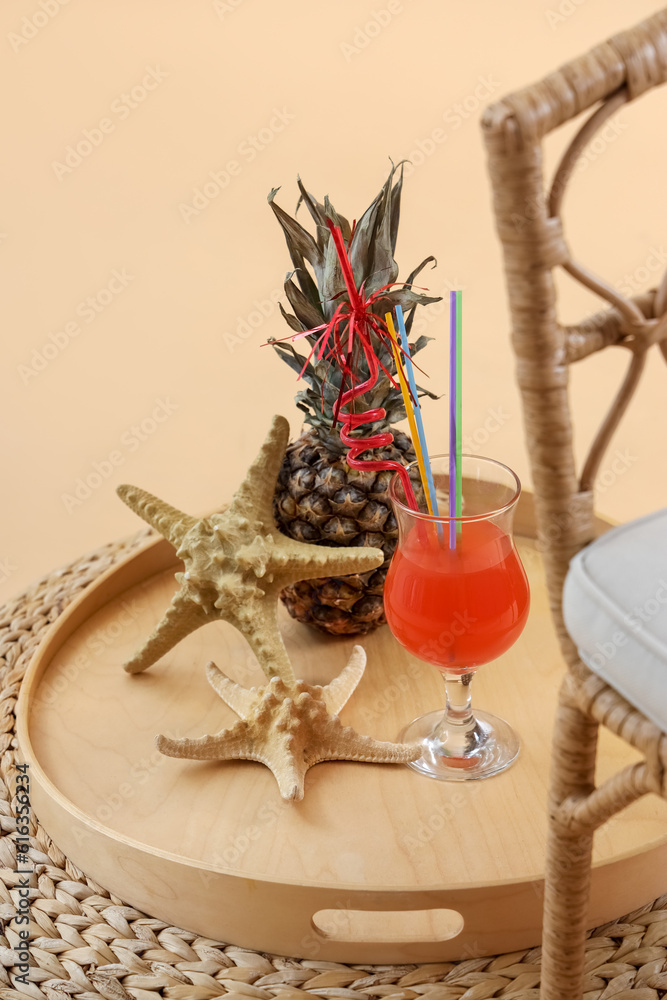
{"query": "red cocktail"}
pixel 457 608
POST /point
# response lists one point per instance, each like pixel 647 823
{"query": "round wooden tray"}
pixel 377 864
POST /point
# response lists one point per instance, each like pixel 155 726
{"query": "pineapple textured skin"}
pixel 321 500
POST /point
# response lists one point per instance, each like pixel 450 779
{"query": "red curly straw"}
pixel 360 320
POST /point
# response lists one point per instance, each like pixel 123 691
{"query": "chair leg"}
pixel 568 865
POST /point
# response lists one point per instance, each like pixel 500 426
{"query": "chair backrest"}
pixel 531 232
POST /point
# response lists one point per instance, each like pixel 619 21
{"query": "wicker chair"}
pixel 531 231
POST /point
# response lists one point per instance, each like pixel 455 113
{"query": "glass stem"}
pixel 459 698
pixel 458 733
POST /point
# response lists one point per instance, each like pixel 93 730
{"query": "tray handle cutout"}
pixel 388 926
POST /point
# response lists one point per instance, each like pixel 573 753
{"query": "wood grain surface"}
pixel 211 846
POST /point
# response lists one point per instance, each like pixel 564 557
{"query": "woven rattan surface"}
pixel 86 943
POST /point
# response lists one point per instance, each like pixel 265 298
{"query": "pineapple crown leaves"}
pixel 315 297
pixel 371 244
pixel 323 380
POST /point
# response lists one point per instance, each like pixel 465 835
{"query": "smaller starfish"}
pixel 289 730
pixel 236 564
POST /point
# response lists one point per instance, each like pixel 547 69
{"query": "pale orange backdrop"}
pixel 134 308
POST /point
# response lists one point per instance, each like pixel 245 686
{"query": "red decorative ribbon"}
pixel 358 320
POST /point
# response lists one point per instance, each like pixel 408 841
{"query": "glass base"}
pixel 497 748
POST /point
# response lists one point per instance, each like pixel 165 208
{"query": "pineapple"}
pixel 319 498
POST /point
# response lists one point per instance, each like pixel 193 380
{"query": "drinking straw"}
pixel 429 486
pixel 459 408
pixel 416 440
pixel 453 412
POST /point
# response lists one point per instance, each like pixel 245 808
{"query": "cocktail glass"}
pixel 456 595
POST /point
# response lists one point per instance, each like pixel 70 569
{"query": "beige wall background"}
pixel 137 289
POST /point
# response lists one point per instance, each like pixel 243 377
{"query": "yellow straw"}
pixel 408 408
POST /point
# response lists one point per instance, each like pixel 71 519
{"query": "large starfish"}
pixel 236 564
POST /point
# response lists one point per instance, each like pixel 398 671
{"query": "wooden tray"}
pixel 377 864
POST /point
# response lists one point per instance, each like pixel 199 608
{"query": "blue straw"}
pixel 403 342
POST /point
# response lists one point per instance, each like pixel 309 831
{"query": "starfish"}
pixel 236 563
pixel 289 728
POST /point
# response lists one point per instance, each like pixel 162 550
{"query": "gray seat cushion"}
pixel 615 609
